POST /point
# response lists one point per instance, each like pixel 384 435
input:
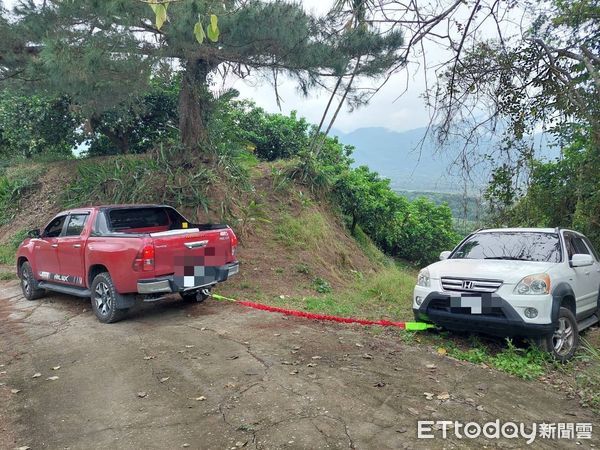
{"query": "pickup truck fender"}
pixel 560 291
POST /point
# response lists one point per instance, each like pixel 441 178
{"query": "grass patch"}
pixel 13 185
pixel 138 179
pixel 8 276
pixel 385 294
pixel 370 249
pixel 528 363
pixel 307 231
pixel 9 250
pixel 588 380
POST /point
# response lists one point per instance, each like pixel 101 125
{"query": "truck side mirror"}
pixel 34 233
pixel 581 260
pixel 444 255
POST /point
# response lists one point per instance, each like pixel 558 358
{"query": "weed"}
pixel 14 185
pixel 308 231
pixel 526 363
pixel 328 305
pixel 303 269
pixel 321 286
pixel 8 276
pixel 588 381
pixel 249 215
pixel 8 250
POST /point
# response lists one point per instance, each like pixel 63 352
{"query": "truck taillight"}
pixel 144 260
pixel 234 241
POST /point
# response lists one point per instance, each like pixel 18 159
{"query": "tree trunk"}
pixel 193 100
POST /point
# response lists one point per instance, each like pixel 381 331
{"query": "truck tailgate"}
pixel 184 250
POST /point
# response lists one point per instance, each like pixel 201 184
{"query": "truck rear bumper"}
pixel 170 283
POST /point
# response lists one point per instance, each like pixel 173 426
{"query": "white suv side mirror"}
pixel 444 255
pixel 581 260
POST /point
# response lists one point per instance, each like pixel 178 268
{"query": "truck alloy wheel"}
pixel 103 298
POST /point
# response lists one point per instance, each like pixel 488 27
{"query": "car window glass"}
pixel 55 227
pixel 509 245
pixel 76 224
pixel 580 246
pixel 569 244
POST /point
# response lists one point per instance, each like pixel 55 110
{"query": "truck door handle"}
pixel 196 244
pixel 54 245
pixel 76 245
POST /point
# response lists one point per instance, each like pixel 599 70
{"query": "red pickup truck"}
pixel 114 253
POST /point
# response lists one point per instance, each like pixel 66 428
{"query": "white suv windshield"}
pixel 520 246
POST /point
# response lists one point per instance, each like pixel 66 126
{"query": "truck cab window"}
pixel 76 224
pixel 54 228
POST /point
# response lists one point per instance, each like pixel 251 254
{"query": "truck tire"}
pixel 105 299
pixel 29 284
pixel 563 343
pixel 196 296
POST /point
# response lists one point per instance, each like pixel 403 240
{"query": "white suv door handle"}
pixel 54 245
pixel 76 245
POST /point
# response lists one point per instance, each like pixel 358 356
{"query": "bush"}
pixel 13 185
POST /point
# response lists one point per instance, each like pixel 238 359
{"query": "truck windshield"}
pixel 519 246
pixel 144 219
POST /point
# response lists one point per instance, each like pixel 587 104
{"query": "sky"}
pixel 406 113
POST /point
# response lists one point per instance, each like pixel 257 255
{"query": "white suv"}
pixel 538 283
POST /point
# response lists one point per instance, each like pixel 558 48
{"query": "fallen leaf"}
pixel 56 368
pixel 295 372
pixel 189 346
pixel 367 356
pixel 162 380
pixel 311 365
pixel 15 391
pixel 431 366
pixel 200 399
pixel 149 357
pixel 413 411
pixel 203 328
pixel 233 357
pixel 359 344
pixel 36 375
pixel 443 396
pixel 296 347
pixel 428 395
pixel 240 444
pixel 24 447
pixel 142 394
pixel 379 384
pixel 185 445
pixel 316 357
pixel 180 351
pixel 479 408
pixel 286 363
pixel 442 351
pixel 402 430
pixel 3 372
pixel 54 378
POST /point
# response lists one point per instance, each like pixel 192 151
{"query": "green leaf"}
pixel 161 14
pixel 199 32
pixel 212 30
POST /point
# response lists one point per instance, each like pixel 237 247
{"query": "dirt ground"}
pixel 217 375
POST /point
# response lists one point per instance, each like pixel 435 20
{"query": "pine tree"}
pixel 102 52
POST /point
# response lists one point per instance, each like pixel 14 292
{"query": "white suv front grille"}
pixel 470 285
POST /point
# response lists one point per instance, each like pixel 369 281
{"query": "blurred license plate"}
pixel 474 303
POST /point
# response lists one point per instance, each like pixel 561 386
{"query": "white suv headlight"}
pixel 423 278
pixel 538 284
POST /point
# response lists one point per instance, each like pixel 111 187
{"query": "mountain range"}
pixel 413 160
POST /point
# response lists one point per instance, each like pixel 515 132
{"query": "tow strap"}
pixel 408 326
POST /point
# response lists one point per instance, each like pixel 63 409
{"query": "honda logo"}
pixel 467 284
